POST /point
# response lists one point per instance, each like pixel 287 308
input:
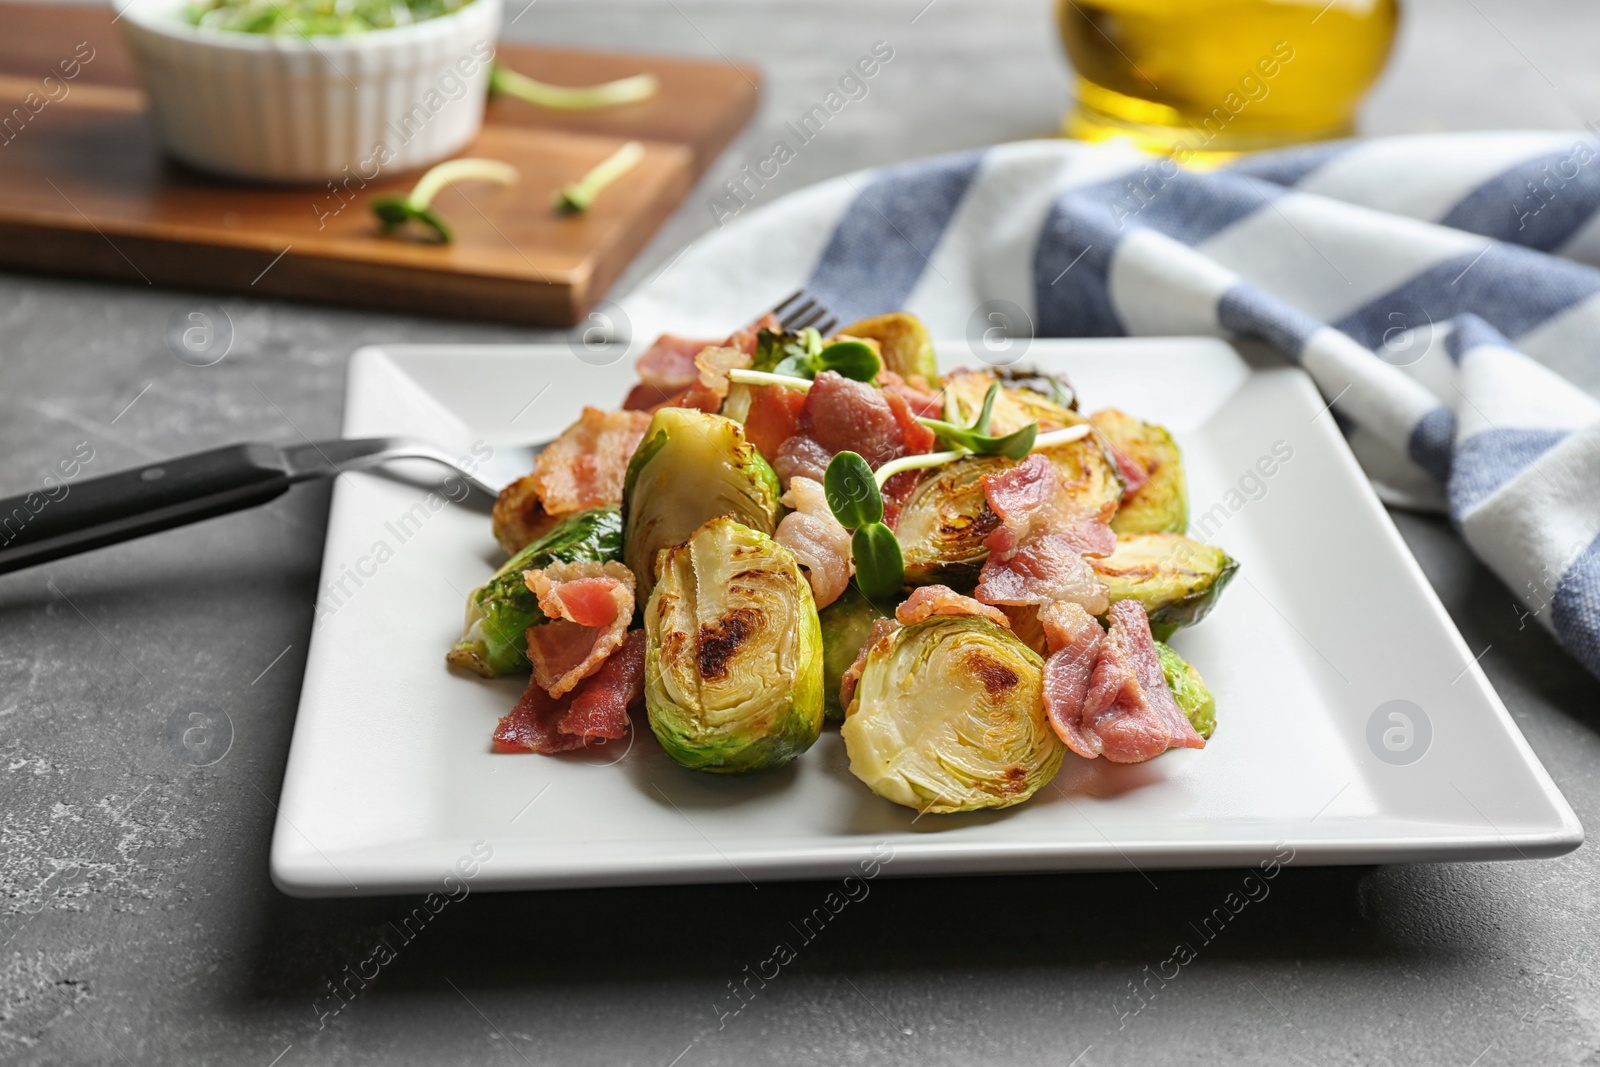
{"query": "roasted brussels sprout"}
pixel 691 467
pixel 500 611
pixel 733 652
pixel 949 716
pixel 1189 689
pixel 903 344
pixel 1088 472
pixel 1053 387
pixel 1176 578
pixel 845 626
pixel 1162 503
pixel 944 521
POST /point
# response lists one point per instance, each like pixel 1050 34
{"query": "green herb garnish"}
pixel 976 438
pixel 854 499
pixel 503 79
pixel 315 18
pixel 395 211
pixel 577 196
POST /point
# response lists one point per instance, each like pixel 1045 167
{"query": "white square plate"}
pixel 391 778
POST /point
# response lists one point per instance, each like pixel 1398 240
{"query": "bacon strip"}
pixel 586 465
pixel 1037 554
pixel 595 712
pixel 589 606
pixel 1126 712
pixel 841 414
pixel 881 629
pixel 1074 640
pixel 929 600
pixel 818 542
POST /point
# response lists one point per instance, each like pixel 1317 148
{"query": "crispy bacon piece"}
pixel 1047 568
pixel 929 600
pixel 588 606
pixel 585 466
pixel 1029 499
pixel 773 418
pixel 1036 555
pixel 1074 640
pixel 667 366
pixel 711 383
pixel 595 712
pixel 801 457
pixel 817 540
pixel 841 414
pixel 914 392
pixel 1134 476
pixel 519 518
pixel 1128 713
pixel 881 629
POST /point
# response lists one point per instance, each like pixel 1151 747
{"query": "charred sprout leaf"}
pixel 393 212
pixel 846 624
pixel 851 491
pixel 733 652
pixel 1162 503
pixel 503 79
pixel 1177 579
pixel 691 467
pixel 1190 691
pixel 880 570
pixel 949 716
pixel 579 195
pixel 1088 472
pixel 904 345
pixel 500 611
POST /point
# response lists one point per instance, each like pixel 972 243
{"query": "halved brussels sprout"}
pixel 500 610
pixel 1088 472
pixel 1014 407
pixel 1162 503
pixel 903 344
pixel 691 467
pixel 944 521
pixel 733 652
pixel 1176 578
pixel 1189 690
pixel 846 623
pixel 1052 387
pixel 949 716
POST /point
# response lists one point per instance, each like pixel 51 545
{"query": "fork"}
pixel 37 527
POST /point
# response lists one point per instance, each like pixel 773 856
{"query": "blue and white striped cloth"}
pixel 1442 290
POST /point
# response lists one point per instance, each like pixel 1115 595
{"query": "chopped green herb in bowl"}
pixel 315 18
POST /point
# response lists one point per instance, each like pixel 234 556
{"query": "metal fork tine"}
pixel 797 316
pixel 795 313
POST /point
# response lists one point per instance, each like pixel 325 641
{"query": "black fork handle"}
pixel 73 517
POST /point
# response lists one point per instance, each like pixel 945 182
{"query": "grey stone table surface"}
pixel 139 924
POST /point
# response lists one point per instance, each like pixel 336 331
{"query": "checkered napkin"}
pixel 1442 291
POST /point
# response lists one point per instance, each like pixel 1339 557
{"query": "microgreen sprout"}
pixel 503 79
pixel 577 196
pixel 976 438
pixel 803 355
pixel 395 211
pixel 853 497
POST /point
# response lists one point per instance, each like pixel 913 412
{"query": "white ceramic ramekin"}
pixel 313 109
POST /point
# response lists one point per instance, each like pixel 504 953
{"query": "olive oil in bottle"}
pixel 1209 78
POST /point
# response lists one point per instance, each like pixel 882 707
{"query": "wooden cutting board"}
pixel 84 190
